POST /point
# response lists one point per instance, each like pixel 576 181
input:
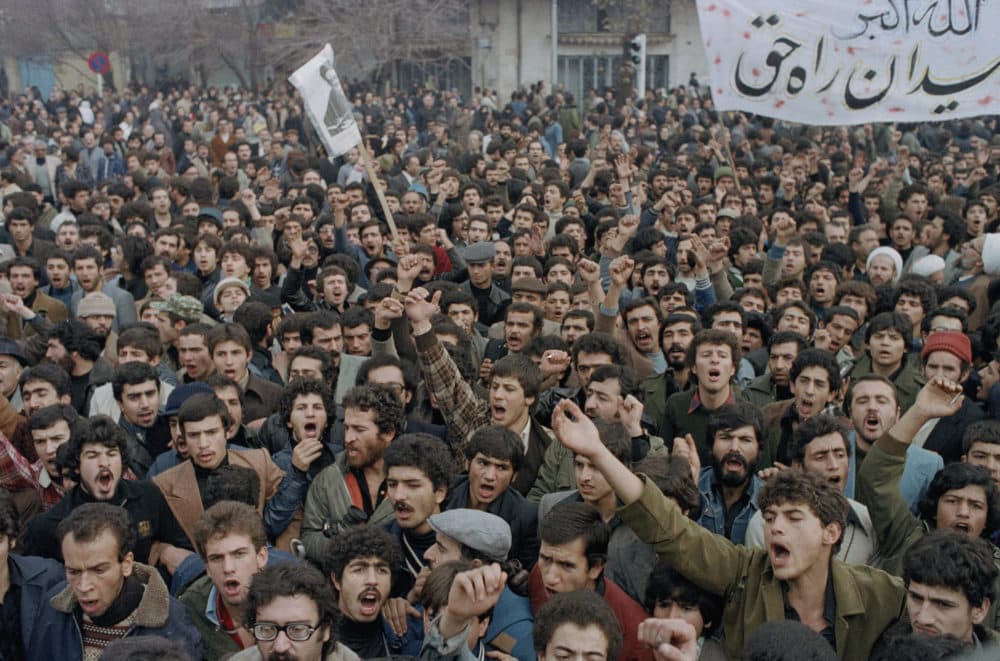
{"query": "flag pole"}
pixel 366 158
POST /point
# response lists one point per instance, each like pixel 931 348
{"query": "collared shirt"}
pixel 526 435
pixel 696 401
pixel 829 611
pixel 17 474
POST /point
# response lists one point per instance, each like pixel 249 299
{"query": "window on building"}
pixel 585 17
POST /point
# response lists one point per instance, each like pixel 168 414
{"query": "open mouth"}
pixel 231 587
pixel 105 479
pixel 403 511
pixel 714 374
pixel 499 412
pixel 962 527
pixel 369 600
pixel 780 555
pixel 805 408
pixel 872 423
pixel 310 429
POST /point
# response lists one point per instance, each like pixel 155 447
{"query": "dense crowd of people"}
pixel 545 378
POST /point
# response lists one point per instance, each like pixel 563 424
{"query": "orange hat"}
pixel 953 342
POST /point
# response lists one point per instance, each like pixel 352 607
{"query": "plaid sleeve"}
pixel 15 471
pixel 462 409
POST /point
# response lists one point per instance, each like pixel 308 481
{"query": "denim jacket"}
pixel 713 507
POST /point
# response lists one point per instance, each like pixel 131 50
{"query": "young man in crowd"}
pixel 775 385
pixel 822 447
pixel 804 520
pixel 231 540
pixel 97 456
pixel 572 558
pixel 108 594
pixel 292 613
pixel 373 417
pixel 362 564
pixel 493 457
pixel 203 420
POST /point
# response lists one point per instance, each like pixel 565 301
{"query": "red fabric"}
pixel 627 611
pixel 226 621
pixel 953 342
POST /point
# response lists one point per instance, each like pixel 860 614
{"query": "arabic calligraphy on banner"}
pixel 854 61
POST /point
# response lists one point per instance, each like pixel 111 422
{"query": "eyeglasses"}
pixel 297 631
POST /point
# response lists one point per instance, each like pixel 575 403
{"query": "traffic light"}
pixel 637 53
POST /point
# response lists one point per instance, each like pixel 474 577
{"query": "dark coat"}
pixel 34 577
pixel 512 507
pixel 57 633
pixel 151 519
pixel 946 438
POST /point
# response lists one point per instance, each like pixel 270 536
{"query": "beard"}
pixel 676 364
pixel 732 478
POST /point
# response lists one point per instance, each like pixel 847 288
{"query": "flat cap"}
pixel 533 285
pixel 479 252
pixel 188 308
pixel 9 347
pixel 180 394
pixel 481 531
pixel 96 304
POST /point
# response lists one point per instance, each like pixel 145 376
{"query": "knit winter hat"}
pixel 953 342
pixel 897 259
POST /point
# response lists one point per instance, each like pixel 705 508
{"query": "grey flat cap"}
pixel 481 531
pixel 479 252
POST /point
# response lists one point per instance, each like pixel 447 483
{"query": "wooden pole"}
pixel 367 160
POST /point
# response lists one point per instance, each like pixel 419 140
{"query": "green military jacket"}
pixel 895 526
pixel 867 600
pixel 908 381
pixel 215 642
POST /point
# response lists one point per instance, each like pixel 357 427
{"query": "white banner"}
pixel 854 61
pixel 325 103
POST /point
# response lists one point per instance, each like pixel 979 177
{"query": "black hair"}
pixel 948 559
pixel 234 483
pixel 724 306
pixel 666 584
pixel 786 640
pixel 981 431
pixel 818 358
pixel 366 542
pixel 77 336
pixel 520 367
pixel 88 521
pixel 132 374
pixel 326 367
pixel 424 452
pixel 734 416
pixel 919 288
pixel 497 443
pixel 891 321
pixel 583 609
pixel 598 342
pixel 628 381
pixel 291 580
pixel 300 388
pixel 201 406
pixel 255 318
pixel 811 429
pixel 10 520
pixel 572 520
pixel 958 476
pixel 386 408
pixel 950 312
pixel 96 430
pixel 47 416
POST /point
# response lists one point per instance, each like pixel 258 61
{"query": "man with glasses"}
pixel 292 614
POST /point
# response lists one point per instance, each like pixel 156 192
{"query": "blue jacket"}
pixel 34 577
pixel 57 633
pixel 713 507
pixel 512 619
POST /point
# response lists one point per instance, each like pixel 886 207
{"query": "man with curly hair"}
pixel 98 455
pixel 352 490
pixel 362 564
